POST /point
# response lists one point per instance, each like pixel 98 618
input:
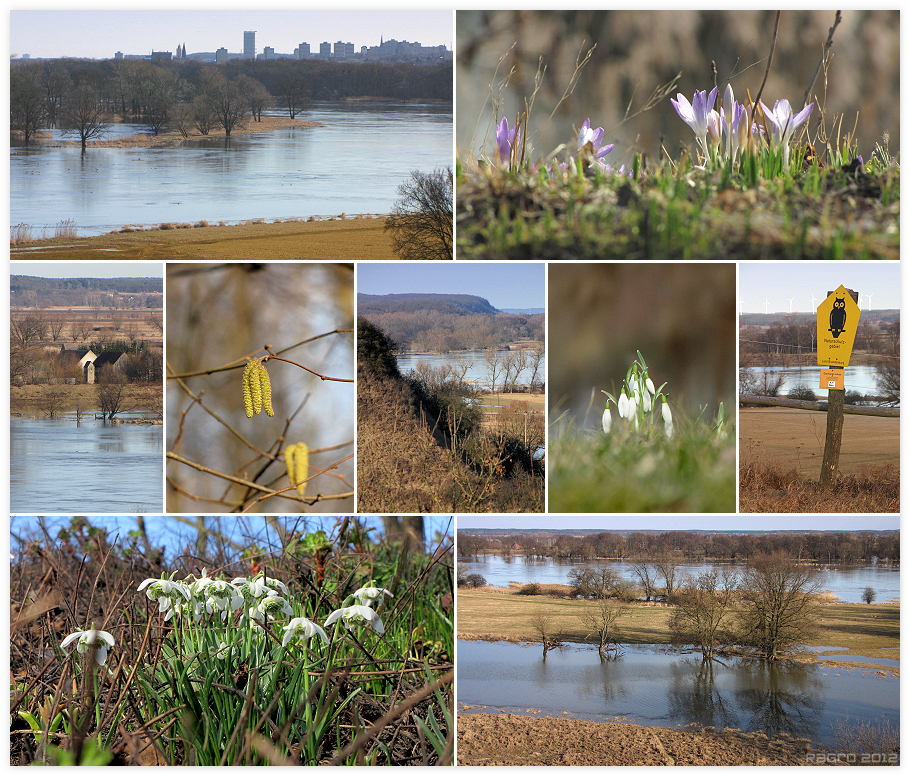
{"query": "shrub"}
pixel 532 588
pixel 475 580
pixel 802 392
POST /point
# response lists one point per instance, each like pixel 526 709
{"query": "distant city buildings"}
pixel 387 51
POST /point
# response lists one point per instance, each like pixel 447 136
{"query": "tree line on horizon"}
pixel 820 547
pixel 81 96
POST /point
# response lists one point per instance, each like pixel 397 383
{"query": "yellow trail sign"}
pixel 837 319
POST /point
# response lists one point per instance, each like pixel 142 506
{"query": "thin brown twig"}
pixel 823 57
pixel 767 69
pixel 307 369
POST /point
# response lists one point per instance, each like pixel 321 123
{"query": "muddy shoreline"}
pixel 511 739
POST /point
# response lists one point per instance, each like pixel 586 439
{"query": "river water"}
pixel 856 378
pixel 59 465
pixel 353 164
pixel 655 685
pixel 846 582
pixel 479 371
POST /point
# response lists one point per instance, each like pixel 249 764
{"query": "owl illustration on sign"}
pixel 838 317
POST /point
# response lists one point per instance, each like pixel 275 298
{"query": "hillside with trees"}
pixel 446 322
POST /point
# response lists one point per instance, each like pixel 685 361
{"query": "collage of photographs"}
pixel 481 388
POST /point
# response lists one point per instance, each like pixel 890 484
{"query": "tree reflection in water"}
pixel 782 697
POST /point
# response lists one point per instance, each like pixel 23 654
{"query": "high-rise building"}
pixel 249 44
pixel 303 51
pixel 325 50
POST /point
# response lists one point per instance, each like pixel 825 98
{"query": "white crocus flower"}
pixel 101 641
pixel 356 616
pixel 367 595
pixel 302 628
pixel 607 420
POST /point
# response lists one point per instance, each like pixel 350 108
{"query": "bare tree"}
pixel 667 565
pixel 421 220
pixel 600 619
pixel 27 103
pixel 25 331
pixel 702 603
pixel 494 366
pixel 544 628
pixel 82 112
pixel 647 576
pixel 535 358
pixel 56 321
pixel 230 105
pixel 869 595
pixel 256 95
pixel 779 607
pixel 111 390
pixel 293 93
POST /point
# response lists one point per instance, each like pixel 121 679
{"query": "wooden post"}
pixel 833 436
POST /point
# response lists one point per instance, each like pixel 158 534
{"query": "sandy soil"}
pixel 795 439
pixel 509 739
pixel 345 237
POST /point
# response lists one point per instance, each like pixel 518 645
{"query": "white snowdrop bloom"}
pixel 101 641
pixel 356 616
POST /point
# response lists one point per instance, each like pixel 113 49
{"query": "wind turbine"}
pixel 766 305
pixel 814 300
pixel 869 297
pixel 740 305
pixel 790 299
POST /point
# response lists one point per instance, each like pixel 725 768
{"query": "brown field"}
pixel 140 324
pixel 510 739
pixel 795 439
pixel 781 452
pixel 497 614
pixel 344 238
pixel 27 400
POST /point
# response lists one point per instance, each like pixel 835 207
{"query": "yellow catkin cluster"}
pixel 296 458
pixel 257 389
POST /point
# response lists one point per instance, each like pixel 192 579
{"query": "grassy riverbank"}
pixel 33 401
pixel 342 238
pixel 500 614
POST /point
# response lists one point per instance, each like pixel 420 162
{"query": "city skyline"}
pixel 101 34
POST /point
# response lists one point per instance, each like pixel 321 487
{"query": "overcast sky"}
pixel 504 285
pixel 685 523
pixel 83 269
pixel 100 34
pixel 777 282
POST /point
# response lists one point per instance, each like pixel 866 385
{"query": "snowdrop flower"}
pixel 259 586
pixel 367 595
pixel 668 418
pixel 506 140
pixel 224 595
pixel 101 641
pixel 695 114
pixel 607 419
pixel 623 406
pixel 649 385
pixel 783 123
pixel 167 593
pixel 269 606
pixel 302 628
pixel 356 616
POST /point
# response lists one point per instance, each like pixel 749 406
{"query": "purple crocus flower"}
pixel 506 140
pixel 595 138
pixel 782 122
pixel 696 114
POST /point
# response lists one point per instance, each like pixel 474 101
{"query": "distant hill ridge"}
pixel 457 304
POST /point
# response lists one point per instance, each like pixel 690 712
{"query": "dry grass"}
pixel 767 487
pixel 27 400
pixel 406 464
pixel 872 630
pixel 351 239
